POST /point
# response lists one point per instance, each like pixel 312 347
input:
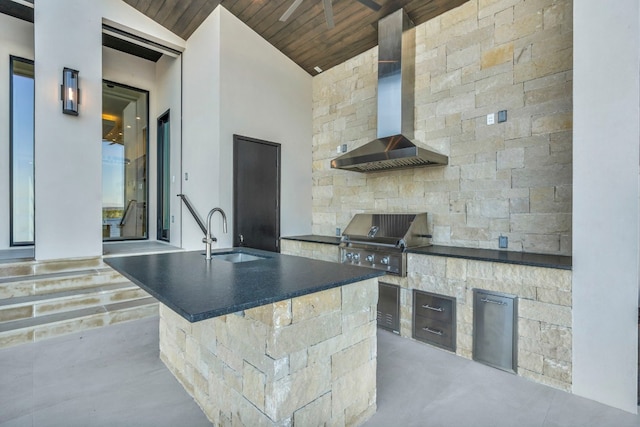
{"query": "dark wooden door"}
pixel 256 189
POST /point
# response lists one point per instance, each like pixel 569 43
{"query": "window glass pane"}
pixel 22 174
pixel 124 162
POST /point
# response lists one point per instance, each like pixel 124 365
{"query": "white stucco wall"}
pixel 254 91
pixel 200 127
pixel 605 201
pixel 67 149
pixel 168 96
pixel 68 154
pixel 16 38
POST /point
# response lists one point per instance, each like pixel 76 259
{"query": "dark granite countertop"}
pixel 490 255
pixel 313 238
pixel 198 290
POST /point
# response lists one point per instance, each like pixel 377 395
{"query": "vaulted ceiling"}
pixel 305 36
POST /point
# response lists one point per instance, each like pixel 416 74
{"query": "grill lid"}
pixel 397 230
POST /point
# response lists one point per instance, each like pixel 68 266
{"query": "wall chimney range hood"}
pixel 393 148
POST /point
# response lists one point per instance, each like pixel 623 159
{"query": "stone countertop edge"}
pixel 562 262
pixel 330 240
pixel 199 290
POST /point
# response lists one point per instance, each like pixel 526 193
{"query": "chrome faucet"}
pixel 208 239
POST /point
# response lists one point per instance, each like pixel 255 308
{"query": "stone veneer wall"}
pixel 319 251
pixel 309 360
pixel 512 178
pixel 545 339
pixel 544 309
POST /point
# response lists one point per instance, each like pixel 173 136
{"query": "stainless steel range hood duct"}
pixel 393 149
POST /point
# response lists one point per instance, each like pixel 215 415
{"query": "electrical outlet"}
pixel 338 231
pixel 491 118
pixel 503 242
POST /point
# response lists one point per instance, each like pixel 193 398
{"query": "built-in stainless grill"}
pixel 379 240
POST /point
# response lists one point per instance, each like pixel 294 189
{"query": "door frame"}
pixel 147 166
pixel 160 158
pixel 278 147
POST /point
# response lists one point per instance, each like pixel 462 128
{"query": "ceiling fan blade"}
pixel 370 4
pixel 290 11
pixel 328 13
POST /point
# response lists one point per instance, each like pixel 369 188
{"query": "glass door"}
pixel 124 162
pixel 164 178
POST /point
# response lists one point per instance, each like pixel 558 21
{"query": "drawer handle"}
pixel 492 301
pixel 428 307
pixel 432 331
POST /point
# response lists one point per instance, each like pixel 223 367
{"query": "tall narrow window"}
pixel 164 178
pixel 124 162
pixel 21 165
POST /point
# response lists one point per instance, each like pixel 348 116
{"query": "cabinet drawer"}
pixel 434 319
pixel 434 306
pixel 441 334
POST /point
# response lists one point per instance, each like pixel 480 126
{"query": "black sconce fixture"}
pixel 70 94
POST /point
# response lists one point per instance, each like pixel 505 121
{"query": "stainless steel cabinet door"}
pixel 495 329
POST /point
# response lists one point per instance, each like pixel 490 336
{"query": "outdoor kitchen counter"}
pixel 490 255
pixel 279 340
pixel 314 238
pixel 198 289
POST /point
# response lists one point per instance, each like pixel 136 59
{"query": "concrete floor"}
pixel 113 377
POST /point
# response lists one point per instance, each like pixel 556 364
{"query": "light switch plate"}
pixel 503 242
pixel 502 116
pixel 491 118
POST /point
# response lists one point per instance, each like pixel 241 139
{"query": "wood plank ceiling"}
pixel 305 36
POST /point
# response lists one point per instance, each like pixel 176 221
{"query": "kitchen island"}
pixel 259 338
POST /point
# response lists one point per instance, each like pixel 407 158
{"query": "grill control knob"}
pixel 370 258
pixel 356 257
pixel 384 260
pixel 349 256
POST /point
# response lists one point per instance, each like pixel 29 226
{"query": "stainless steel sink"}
pixel 237 257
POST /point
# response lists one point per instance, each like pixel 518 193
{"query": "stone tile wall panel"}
pixel 544 309
pixel 255 373
pixel 479 58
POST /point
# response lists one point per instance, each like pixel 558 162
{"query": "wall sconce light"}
pixel 70 94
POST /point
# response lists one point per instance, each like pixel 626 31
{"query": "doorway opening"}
pixel 256 193
pixel 124 162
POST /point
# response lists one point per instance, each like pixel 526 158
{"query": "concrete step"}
pixel 57 302
pixel 40 300
pixel 30 268
pixel 52 282
pixel 48 326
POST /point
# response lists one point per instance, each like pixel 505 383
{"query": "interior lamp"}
pixel 70 94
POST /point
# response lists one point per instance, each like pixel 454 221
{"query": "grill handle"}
pixel 432 331
pixel 428 307
pixel 492 301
